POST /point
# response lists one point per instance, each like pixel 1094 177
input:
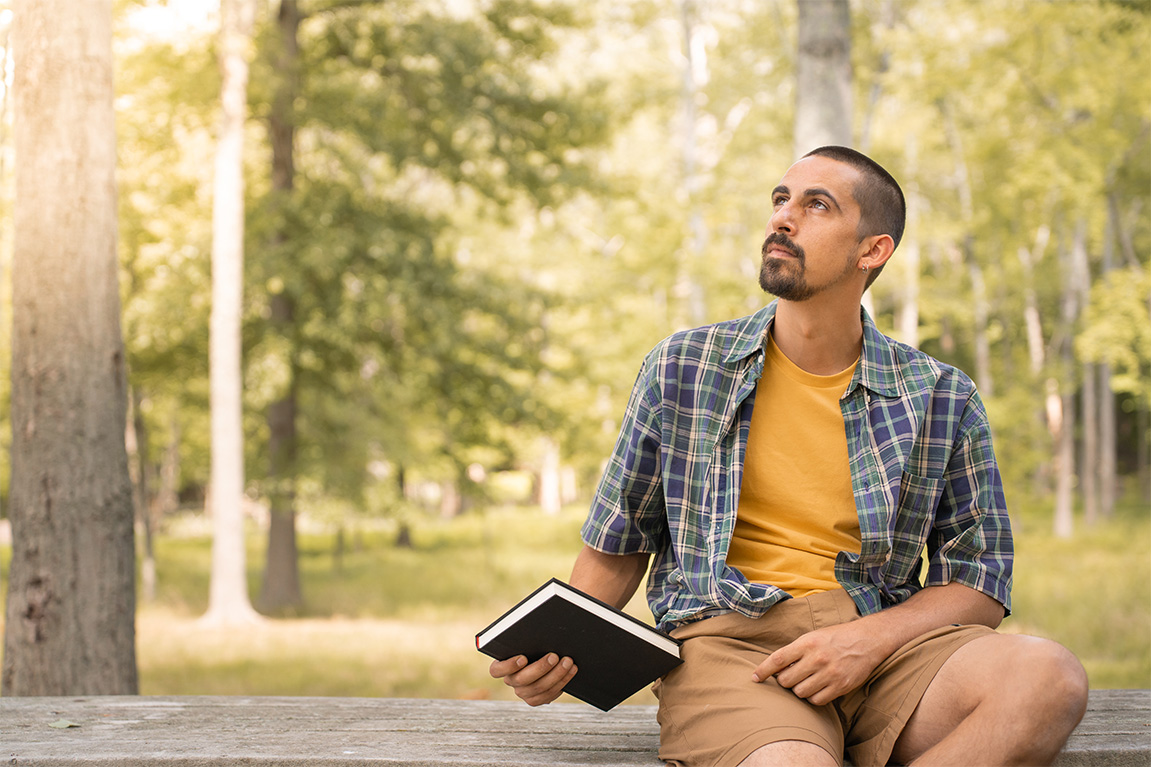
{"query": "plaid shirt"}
pixel 923 475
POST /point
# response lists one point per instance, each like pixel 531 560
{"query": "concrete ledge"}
pixel 293 732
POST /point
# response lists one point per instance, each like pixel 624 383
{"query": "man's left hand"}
pixel 824 664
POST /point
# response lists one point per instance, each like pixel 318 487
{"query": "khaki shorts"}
pixel 711 714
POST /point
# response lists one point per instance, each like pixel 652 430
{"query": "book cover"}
pixel 616 655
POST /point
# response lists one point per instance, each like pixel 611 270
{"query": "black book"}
pixel 615 654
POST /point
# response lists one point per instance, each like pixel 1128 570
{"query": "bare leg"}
pixel 999 699
pixel 792 753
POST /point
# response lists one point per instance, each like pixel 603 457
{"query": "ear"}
pixel 879 249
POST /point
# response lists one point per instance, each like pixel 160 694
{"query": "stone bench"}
pixel 291 732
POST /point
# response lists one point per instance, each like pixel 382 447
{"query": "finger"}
pixel 556 676
pixel 533 672
pixel 501 668
pixel 550 687
pixel 773 664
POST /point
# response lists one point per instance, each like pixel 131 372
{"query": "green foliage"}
pixel 1117 329
pixel 492 215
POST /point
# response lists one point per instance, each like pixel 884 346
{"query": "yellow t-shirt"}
pixel 796 508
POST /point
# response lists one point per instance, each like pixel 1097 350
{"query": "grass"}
pixel 1092 593
pixel 390 622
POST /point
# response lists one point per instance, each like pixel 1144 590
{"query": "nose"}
pixel 782 220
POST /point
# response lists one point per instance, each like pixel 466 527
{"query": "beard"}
pixel 784 278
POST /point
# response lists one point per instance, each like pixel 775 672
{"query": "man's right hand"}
pixel 536 683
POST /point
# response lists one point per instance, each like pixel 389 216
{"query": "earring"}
pixel 863 268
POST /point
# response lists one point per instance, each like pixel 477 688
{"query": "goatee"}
pixel 784 278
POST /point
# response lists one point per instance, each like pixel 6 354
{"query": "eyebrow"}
pixel 817 191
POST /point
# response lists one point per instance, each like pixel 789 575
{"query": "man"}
pixel 787 471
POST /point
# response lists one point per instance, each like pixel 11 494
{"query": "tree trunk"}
pixel 1061 404
pixel 167 495
pixel 980 304
pixel 281 588
pixel 695 76
pixel 1088 399
pixel 907 311
pixel 70 625
pixel 229 603
pixel 551 499
pixel 1108 436
pixel 136 441
pixel 823 105
pixel 1064 429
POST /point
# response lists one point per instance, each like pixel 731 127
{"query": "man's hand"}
pixel 608 577
pixel 824 664
pixel 538 683
pixel 833 661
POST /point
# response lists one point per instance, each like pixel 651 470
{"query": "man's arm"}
pixel 610 578
pixel 827 663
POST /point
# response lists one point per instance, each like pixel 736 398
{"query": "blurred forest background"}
pixel 467 221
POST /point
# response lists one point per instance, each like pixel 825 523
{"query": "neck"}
pixel 822 338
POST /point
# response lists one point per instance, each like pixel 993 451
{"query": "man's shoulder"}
pixel 915 369
pixel 717 342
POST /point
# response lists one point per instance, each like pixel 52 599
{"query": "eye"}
pixel 778 200
pixel 820 204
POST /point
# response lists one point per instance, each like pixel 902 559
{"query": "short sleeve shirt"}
pixel 926 484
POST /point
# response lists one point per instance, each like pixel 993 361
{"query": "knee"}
pixel 1054 680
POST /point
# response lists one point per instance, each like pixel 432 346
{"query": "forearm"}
pixel 611 578
pixel 828 662
pixel 929 609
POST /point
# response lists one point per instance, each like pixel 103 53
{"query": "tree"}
pixel 70 625
pixel 372 341
pixel 281 585
pixel 823 75
pixel 228 600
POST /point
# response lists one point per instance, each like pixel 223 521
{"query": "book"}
pixel 614 653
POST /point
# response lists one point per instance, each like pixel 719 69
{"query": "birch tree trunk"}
pixel 229 603
pixel 979 309
pixel 551 497
pixel 695 76
pixel 70 624
pixel 281 587
pixel 1036 348
pixel 1061 405
pixel 910 255
pixel 823 105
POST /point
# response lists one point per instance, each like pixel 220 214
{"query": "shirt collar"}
pixel 876 369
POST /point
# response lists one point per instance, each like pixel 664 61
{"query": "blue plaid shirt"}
pixel 923 474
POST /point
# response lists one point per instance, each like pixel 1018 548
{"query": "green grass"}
pixel 1091 593
pixel 390 622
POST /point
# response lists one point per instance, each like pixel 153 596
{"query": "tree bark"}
pixel 1108 435
pixel 823 105
pixel 1088 395
pixel 281 587
pixel 136 441
pixel 229 603
pixel 70 622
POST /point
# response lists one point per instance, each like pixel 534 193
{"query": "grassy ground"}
pixel 382 621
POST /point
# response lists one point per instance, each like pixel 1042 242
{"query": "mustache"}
pixel 782 240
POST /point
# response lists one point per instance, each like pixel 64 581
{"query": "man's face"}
pixel 813 241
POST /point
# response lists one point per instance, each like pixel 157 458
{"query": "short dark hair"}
pixel 882 207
